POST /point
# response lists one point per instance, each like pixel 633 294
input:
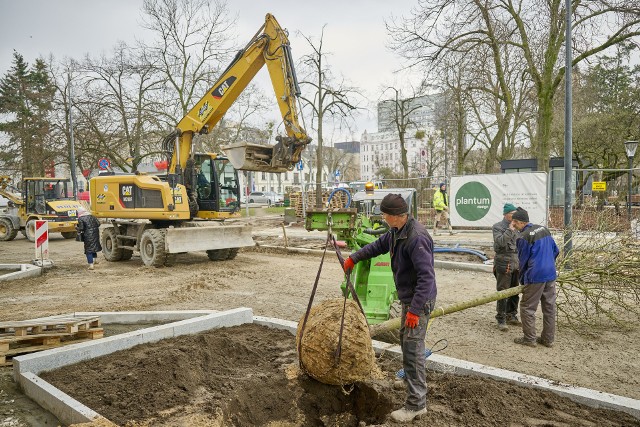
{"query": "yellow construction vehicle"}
pixel 183 211
pixel 48 199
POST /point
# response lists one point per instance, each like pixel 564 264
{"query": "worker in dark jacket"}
pixel 505 267
pixel 411 250
pixel 537 253
pixel 89 232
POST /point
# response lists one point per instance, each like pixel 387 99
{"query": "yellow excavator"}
pixel 161 216
pixel 48 199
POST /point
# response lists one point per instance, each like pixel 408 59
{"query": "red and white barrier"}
pixel 42 240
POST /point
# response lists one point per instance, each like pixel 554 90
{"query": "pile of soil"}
pixel 248 375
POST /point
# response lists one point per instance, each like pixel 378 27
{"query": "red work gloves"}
pixel 412 319
pixel 348 265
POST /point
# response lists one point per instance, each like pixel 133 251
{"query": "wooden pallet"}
pixel 28 336
pixel 57 325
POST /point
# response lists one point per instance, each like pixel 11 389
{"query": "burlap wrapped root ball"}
pixel 320 341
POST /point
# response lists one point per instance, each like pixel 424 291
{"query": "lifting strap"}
pixel 350 290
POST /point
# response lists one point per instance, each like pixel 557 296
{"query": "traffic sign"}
pixel 41 234
pixel 104 163
pixel 299 165
pixel 338 172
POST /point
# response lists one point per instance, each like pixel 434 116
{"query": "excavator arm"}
pixel 269 46
pixel 5 190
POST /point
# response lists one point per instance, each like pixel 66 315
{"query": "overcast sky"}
pixel 355 34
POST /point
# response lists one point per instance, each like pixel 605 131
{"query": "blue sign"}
pixel 104 163
pixel 338 173
pixel 299 165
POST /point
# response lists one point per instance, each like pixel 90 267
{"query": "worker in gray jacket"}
pixel 505 267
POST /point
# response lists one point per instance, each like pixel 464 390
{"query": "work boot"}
pixel 503 326
pixel 405 415
pixel 91 267
pixel 540 341
pixel 523 341
pixel 513 320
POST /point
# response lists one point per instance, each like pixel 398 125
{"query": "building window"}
pixel 264 176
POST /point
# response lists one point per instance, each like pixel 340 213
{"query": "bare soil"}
pixel 248 376
pixel 278 284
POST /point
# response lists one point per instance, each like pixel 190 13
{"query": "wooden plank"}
pixel 4 347
pixel 91 334
pixel 57 321
pixel 13 339
pixel 29 349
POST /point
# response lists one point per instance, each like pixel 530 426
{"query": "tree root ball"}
pixel 320 340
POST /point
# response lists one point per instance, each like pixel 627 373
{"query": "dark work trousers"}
pixel 506 308
pixel 534 293
pixel 413 357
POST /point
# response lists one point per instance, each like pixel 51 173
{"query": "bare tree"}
pixel 533 28
pixel 116 107
pixel 330 99
pixel 193 41
pixel 401 116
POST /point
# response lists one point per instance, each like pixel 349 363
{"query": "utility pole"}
pixel 568 123
pixel 74 178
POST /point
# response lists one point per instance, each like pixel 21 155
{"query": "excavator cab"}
pixel 217 187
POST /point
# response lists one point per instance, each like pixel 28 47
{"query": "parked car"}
pixel 259 197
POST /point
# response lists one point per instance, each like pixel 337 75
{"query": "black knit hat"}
pixel 393 204
pixel 520 215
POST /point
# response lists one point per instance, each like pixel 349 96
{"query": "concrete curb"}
pixel 19 271
pixel 585 396
pixel 70 411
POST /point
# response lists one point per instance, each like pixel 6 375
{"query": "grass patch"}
pixel 264 211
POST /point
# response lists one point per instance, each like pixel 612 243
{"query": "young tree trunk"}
pixel 393 324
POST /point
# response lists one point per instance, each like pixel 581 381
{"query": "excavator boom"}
pixel 270 46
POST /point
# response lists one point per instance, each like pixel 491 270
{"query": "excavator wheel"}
pixel 152 247
pixel 218 254
pixel 7 232
pixel 110 245
pixel 30 230
pixel 233 252
pixel 69 234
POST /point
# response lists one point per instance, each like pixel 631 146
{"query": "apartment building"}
pixel 382 149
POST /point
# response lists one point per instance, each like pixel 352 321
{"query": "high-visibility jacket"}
pixel 440 200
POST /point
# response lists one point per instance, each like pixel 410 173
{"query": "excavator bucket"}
pixel 255 157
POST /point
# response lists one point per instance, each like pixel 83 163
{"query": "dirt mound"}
pixel 247 376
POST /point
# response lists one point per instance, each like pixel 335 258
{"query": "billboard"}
pixel 477 200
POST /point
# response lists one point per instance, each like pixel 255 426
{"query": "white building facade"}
pixel 382 149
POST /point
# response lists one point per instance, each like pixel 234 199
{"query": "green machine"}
pixel 358 224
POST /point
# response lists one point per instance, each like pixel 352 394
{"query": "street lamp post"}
pixel 630 148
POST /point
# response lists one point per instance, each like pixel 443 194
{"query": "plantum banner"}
pixel 477 200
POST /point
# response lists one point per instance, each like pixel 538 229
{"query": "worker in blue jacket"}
pixel 411 250
pixel 537 253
